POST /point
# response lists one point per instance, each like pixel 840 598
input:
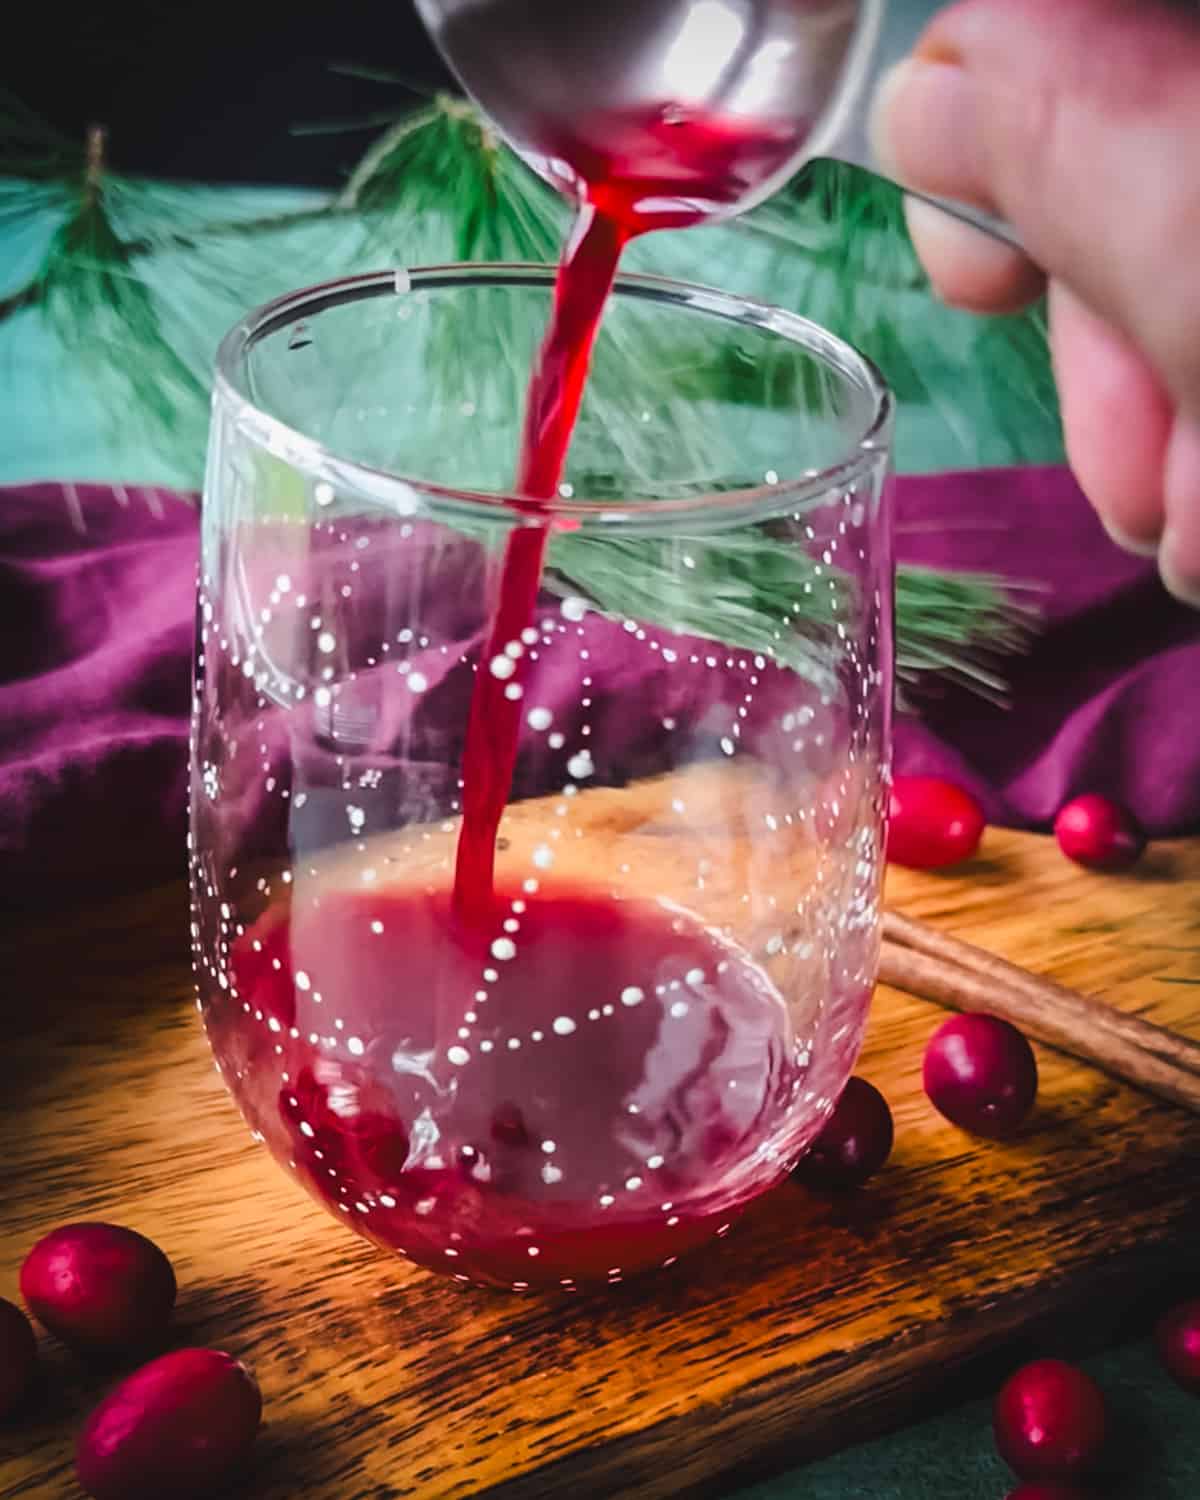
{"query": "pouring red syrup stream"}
pixel 552 405
pixel 664 169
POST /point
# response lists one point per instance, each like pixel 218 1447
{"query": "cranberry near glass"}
pixel 536 842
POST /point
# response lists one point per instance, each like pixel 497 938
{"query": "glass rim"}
pixel 397 491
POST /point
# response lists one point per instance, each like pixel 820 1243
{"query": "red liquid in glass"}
pixel 575 1098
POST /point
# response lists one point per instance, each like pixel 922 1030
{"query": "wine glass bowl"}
pixel 666 989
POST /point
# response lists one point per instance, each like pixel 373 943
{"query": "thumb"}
pixel 1078 121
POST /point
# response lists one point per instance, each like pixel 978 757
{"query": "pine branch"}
pixel 438 186
pixel 32 293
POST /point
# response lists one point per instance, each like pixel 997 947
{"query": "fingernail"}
pixel 922 127
pixel 1127 543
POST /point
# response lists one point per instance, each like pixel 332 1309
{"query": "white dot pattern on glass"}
pixel 808 935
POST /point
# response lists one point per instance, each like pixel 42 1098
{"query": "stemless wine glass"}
pixel 669 989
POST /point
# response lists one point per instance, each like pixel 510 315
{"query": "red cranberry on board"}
pixel 1047 1490
pixel 177 1428
pixel 1177 1339
pixel 100 1288
pixel 931 823
pixel 18 1355
pixel 980 1072
pixel 1098 834
pixel 855 1143
pixel 1050 1421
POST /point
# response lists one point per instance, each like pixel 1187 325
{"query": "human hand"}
pixel 1077 121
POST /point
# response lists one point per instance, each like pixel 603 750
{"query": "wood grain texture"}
pixel 815 1323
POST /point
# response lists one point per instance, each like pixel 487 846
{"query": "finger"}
pixel 1117 420
pixel 1078 121
pixel 1179 555
pixel 968 268
pixel 925 131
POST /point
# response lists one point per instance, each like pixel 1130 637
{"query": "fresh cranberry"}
pixel 1177 1338
pixel 100 1288
pixel 931 823
pixel 855 1143
pixel 18 1355
pixel 1098 834
pixel 177 1427
pixel 981 1073
pixel 1050 1421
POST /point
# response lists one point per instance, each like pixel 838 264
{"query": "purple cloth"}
pixel 96 601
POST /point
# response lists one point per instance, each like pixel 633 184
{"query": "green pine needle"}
pixel 439 184
pixel 842 256
pixel 104 314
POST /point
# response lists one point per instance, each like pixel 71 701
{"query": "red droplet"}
pixel 855 1143
pixel 1050 1421
pixel 981 1073
pixel 931 823
pixel 1177 1338
pixel 1098 834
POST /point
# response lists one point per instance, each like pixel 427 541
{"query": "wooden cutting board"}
pixel 812 1325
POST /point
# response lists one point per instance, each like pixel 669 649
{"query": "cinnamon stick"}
pixel 1043 993
pixel 1047 1011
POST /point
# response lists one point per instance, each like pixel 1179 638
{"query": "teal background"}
pixel 972 392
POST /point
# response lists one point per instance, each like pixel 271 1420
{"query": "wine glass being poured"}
pixel 637 1001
